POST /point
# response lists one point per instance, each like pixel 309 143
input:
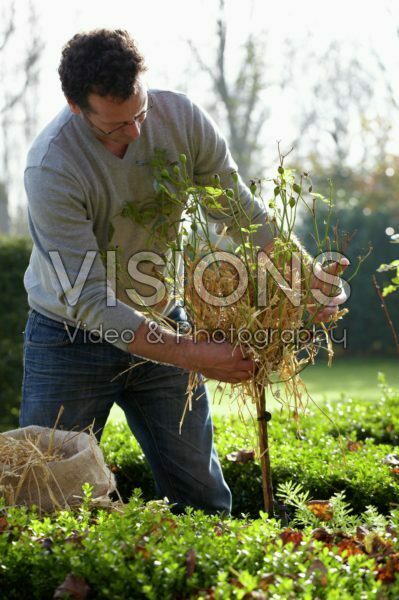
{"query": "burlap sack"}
pixel 56 484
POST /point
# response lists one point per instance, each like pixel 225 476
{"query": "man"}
pixel 83 168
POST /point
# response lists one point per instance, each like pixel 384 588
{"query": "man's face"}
pixel 114 120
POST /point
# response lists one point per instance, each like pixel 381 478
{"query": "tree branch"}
pixel 9 29
pixel 387 315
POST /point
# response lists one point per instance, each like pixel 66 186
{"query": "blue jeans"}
pixel 87 377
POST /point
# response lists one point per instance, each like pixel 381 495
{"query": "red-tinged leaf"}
pixel 393 560
pixel 390 427
pixel 75 538
pixel 208 594
pixel 139 549
pixel 318 571
pixel 236 582
pixel 350 547
pixel 361 532
pixel 74 587
pixel 290 535
pixel 266 580
pixel 394 471
pixel 374 544
pixel 218 530
pixel 158 528
pixel 354 446
pixel 3 524
pixel 321 534
pixel 241 456
pixel 391 530
pixel 171 523
pixel 191 558
pixel 322 509
pixel 387 573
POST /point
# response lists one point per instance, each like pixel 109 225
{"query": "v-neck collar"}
pixel 108 156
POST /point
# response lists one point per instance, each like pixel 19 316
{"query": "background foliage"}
pixel 366 326
pixel 14 258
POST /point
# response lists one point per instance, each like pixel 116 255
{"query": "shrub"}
pixel 378 421
pixel 14 259
pixel 146 552
pixel 126 459
pixel 323 463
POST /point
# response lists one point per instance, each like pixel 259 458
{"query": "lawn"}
pixel 348 377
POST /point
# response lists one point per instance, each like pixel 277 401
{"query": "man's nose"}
pixel 134 129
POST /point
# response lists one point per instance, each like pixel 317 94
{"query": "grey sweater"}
pixel 76 191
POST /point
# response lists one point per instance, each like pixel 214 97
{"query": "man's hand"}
pixel 221 361
pixel 323 291
pixel 330 306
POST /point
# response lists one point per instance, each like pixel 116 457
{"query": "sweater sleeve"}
pixel 212 156
pixel 73 279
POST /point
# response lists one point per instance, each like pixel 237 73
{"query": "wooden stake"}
pixel 264 452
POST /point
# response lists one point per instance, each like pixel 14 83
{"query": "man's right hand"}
pixel 220 361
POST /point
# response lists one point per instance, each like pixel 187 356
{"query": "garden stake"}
pixel 263 417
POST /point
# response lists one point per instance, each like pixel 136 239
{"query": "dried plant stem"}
pixel 51 442
pixel 386 311
pixel 264 452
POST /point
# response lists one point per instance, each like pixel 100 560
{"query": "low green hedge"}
pixel 14 259
pixel 378 421
pixel 146 552
pixel 322 462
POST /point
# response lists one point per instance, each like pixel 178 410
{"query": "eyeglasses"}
pixel 138 119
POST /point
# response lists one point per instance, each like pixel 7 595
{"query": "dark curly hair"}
pixel 102 61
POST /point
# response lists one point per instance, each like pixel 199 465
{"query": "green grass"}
pixel 353 377
pixel 348 377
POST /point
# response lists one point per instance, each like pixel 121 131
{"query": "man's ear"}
pixel 74 107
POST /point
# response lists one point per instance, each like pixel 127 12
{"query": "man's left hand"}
pixel 329 304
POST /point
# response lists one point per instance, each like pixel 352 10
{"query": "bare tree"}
pixel 20 78
pixel 337 94
pixel 241 97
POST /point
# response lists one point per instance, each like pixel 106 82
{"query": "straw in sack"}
pixel 47 467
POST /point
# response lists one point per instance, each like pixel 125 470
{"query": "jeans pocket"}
pixel 42 331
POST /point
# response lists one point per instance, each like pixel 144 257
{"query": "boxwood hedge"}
pixel 343 451
pixel 145 552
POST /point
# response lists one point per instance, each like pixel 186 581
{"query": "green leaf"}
pixel 389 289
pixel 216 192
pixel 389 267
